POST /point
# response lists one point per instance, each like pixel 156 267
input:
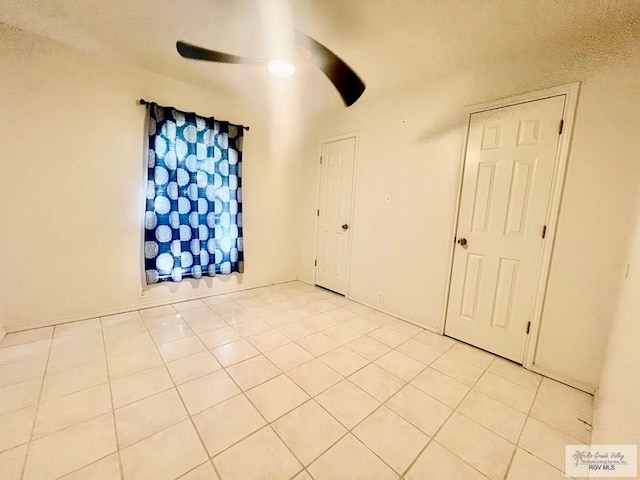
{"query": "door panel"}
pixel 483 196
pixel 506 286
pixel 472 284
pixel 508 173
pixel 335 192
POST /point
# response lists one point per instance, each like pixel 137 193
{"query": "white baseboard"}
pixel 388 312
pixel 129 308
pixel 562 379
pixel 142 306
pixel 393 314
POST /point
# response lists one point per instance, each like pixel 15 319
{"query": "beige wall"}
pixel 71 184
pixel 410 144
pixel 595 225
pixel 617 413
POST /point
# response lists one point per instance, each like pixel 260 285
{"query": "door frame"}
pixel 571 91
pixel 337 138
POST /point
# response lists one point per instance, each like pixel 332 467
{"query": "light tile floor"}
pixel 281 382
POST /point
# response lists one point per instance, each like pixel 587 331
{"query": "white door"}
pixel 508 174
pixel 334 214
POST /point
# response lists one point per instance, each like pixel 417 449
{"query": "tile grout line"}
pixel 544 423
pixel 141 439
pixel 371 361
pixel 304 467
pixel 526 414
pixel 267 424
pixel 553 427
pixel 113 407
pixel 529 410
pixel 93 462
pixel 453 411
pixel 208 460
pixel 311 398
pixel 382 404
pixel 350 430
pixel 35 417
pixel 137 372
pixel 106 362
pixel 243 392
pixel 225 369
pixel 270 424
pixel 95 416
pixel 513 455
pixel 184 405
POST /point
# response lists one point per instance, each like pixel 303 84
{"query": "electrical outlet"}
pixel 380 297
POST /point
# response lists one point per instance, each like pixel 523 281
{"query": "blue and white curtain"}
pixel 193 218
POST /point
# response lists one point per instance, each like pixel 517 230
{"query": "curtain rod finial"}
pixel 142 101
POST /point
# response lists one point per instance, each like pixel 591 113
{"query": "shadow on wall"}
pixel 443 127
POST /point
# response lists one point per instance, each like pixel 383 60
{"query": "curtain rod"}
pixel 142 101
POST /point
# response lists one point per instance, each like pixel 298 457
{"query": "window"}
pixel 193 218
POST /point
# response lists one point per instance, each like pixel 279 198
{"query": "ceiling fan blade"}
pixel 346 81
pixel 194 52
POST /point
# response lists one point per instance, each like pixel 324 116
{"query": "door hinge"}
pixel 318 213
pixel 561 127
pixel 320 160
pixel 315 263
pixel 528 327
pixel 544 231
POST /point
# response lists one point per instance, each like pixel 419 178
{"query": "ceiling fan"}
pixel 347 82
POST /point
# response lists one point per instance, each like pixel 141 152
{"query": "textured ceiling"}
pixel 392 44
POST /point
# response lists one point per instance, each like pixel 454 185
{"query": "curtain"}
pixel 193 218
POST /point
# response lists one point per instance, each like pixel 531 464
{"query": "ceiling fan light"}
pixel 281 68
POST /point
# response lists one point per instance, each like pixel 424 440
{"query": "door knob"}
pixel 345 227
pixel 462 241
